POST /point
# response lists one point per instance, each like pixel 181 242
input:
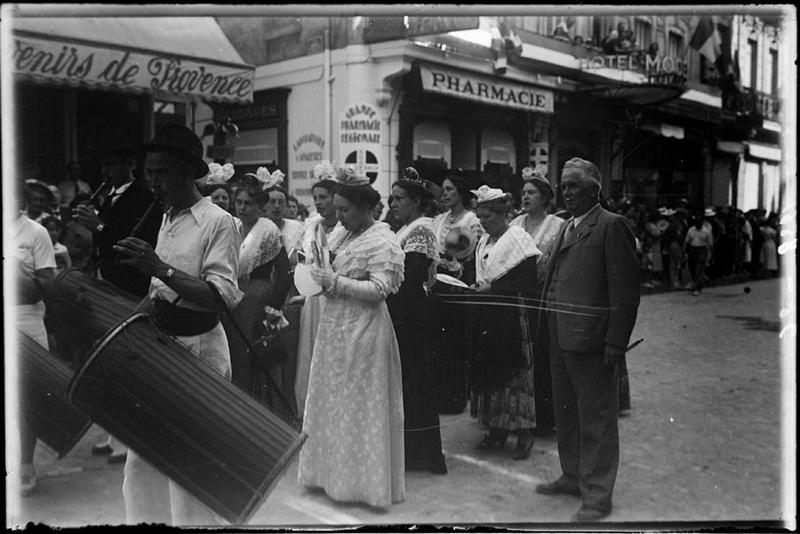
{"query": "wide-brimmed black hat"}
pixel 181 141
pixel 411 178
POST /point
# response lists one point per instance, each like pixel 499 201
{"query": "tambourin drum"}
pixel 43 383
pixel 84 308
pixel 185 418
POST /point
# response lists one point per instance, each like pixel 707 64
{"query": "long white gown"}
pixel 354 408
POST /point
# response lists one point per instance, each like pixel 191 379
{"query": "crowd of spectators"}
pixel 741 245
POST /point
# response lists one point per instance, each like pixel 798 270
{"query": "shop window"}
pixel 257 147
pixel 497 147
pixel 432 141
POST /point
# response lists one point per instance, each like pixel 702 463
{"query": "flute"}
pixel 92 199
pixel 137 229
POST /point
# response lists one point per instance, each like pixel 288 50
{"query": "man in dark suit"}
pixel 592 294
pixel 125 203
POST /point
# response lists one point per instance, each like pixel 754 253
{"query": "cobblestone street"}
pixel 702 441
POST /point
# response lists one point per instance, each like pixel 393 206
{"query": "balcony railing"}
pixel 753 103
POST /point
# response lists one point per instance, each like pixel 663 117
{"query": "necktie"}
pixel 570 230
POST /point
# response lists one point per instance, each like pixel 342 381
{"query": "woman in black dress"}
pixel 409 311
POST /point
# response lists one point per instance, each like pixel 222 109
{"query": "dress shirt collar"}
pixel 197 210
pixel 577 220
pixel 121 189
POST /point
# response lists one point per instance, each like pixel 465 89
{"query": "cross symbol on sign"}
pixel 365 163
pixel 538 154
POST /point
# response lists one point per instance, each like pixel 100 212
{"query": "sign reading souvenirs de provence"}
pixel 360 138
pixel 131 70
pixel 486 89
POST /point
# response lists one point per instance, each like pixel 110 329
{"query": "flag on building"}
pixel 706 39
pixel 512 41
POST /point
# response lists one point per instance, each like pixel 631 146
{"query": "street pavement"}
pixel 703 441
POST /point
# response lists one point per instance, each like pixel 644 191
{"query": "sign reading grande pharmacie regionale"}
pixel 486 89
pixel 129 69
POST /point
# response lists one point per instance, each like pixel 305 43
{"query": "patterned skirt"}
pixel 512 407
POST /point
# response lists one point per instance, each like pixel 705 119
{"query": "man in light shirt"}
pixel 699 245
pixel 198 244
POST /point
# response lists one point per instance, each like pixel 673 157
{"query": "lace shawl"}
pixel 492 262
pixel 374 255
pixel 260 246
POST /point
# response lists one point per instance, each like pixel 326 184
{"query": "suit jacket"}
pixel 595 276
pixel 119 221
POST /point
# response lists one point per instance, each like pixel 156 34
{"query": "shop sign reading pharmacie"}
pixel 486 89
pixel 360 138
pixel 130 70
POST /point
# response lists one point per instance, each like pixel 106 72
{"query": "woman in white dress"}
pixel 325 218
pixel 354 409
pixel 450 346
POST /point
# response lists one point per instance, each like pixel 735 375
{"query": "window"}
pixel 432 141
pixel 675 45
pixel 753 46
pixel 773 59
pixel 497 146
pixel 257 147
pixel 643 32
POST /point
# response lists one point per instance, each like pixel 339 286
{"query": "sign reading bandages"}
pixel 485 89
pixel 132 70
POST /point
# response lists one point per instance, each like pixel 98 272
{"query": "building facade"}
pixel 491 95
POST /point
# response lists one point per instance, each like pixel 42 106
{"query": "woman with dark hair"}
pixel 264 278
pixel 215 185
pixel 457 231
pixel 323 221
pixel 283 349
pixel 409 311
pixel 503 377
pixel 354 409
pixel 275 209
pixel 537 199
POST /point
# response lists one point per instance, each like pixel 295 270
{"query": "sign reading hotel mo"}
pixel 486 90
pixel 131 70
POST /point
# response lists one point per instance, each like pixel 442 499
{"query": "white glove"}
pixel 324 277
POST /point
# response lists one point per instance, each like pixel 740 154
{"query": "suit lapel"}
pixel 583 230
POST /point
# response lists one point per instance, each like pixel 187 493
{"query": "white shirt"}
pixel 33 247
pixel 577 220
pixel 116 192
pixel 201 241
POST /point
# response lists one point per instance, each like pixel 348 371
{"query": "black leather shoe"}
pixel 523 450
pixel 101 449
pixel 559 487
pixel 493 439
pixel 589 514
